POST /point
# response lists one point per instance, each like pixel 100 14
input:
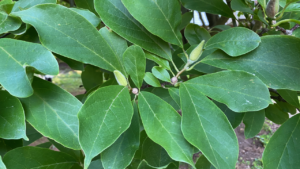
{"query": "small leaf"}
pixel 186 19
pixel 13 64
pixel 235 41
pixel 276 115
pixel 127 27
pixel 161 73
pixel 253 123
pixel 35 157
pixel 53 112
pixel 2 166
pixel 8 145
pixel 151 80
pixel 162 125
pixel 25 4
pixel 196 34
pixel 174 93
pixel 203 163
pixel 161 62
pixel 282 151
pixel 121 79
pixel 91 77
pixel 12 121
pixel 86 4
pixel 135 64
pixel 105 115
pixel 9 23
pixel 240 5
pixel 121 153
pixel 161 18
pixel 290 96
pixel 88 15
pixel 214 136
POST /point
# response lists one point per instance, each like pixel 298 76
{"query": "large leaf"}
pixel 15 57
pixel 195 34
pixel 267 62
pixel 253 121
pixel 290 96
pixel 35 157
pixel 97 164
pixel 115 16
pixel 105 115
pixel 86 4
pixel 240 5
pixel 162 18
pixel 2 166
pixel 165 95
pixel 91 77
pixel 203 163
pixel 12 118
pixel 283 149
pixel 235 41
pixel 88 15
pixel 186 19
pixel 135 64
pixel 53 112
pixel 243 92
pixel 8 145
pixel 213 136
pixel 211 6
pixel 121 153
pixel 83 43
pixel 162 125
pixel 25 4
pixel 276 115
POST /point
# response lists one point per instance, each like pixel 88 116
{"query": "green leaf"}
pixel 32 135
pixel 12 121
pixel 262 3
pixel 91 77
pixel 186 19
pixel 13 64
pixel 53 112
pixel 9 23
pixel 266 62
pixel 290 96
pixel 161 73
pixel 276 115
pixel 151 80
pixel 35 157
pixel 21 30
pixel 162 125
pixel 235 41
pixel 55 34
pixel 211 6
pixel 105 115
pixel 97 164
pixel 242 93
pixel 282 151
pixel 213 136
pixel 144 165
pixel 75 65
pixel 135 64
pixel 2 166
pixel 222 27
pixel 115 16
pixel 88 15
pixel 253 123
pixel 203 163
pixel 121 153
pixel 161 62
pixel 25 4
pixel 161 18
pixel 86 4
pixel 174 93
pixel 44 145
pixel 240 5
pixel 8 145
pixel 234 118
pixel 165 95
pixel 196 34
pixel 74 153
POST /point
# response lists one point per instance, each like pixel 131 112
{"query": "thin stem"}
pixel 282 11
pixel 175 66
pixel 286 20
pixel 192 67
pixel 186 55
pixel 183 70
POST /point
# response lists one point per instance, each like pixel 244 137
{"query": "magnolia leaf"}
pixel 97 164
pixel 12 121
pixel 203 163
pixel 2 166
pixel 290 96
pixel 235 41
pixel 266 59
pixel 161 73
pixel 174 93
pixel 74 153
pixel 262 3
pixel 282 151
pixel 161 62
pixel 151 80
pixel 240 5
pixel 35 157
pixel 242 93
pixel 53 112
pixel 135 64
pixel 91 77
pixel 186 19
pixel 214 136
pixel 9 23
pixel 86 4
pixel 276 115
pixel 55 34
pixel 105 115
pixel 196 34
pixel 32 135
pixel 13 64
pixel 254 122
pixel 161 18
pixel 114 14
pixel 88 15
pixel 8 145
pixel 25 4
pixel 75 65
pixel 165 95
pixel 162 125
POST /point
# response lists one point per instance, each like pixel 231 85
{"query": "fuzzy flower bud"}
pixel 120 78
pixel 197 52
pixel 135 91
pixel 174 80
pixel 272 8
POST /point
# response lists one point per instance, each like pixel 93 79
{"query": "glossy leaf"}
pixel 86 4
pixel 9 23
pixel 114 14
pixel 211 6
pixel 282 149
pixel 25 4
pixel 266 59
pixel 13 65
pixel 91 77
pixel 105 115
pixel 35 157
pixel 162 125
pixel 162 62
pixel 244 92
pixel 88 15
pixel 53 112
pixel 214 136
pixel 276 115
pixel 121 153
pixel 253 123
pixel 195 34
pixel 161 73
pixel 12 117
pixel 55 34
pixel 174 93
pixel 234 41
pixel 135 64
pixel 203 163
pixel 151 80
pixel 186 19
pixel 161 18
pixel 8 145
pixel 290 96
pixel 240 5
pixel 2 166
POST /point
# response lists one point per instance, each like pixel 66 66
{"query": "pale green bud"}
pixel 197 52
pixel 121 79
pixel 272 8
